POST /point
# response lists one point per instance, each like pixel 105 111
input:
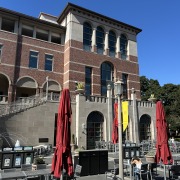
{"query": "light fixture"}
pixel 83 128
pixel 118 87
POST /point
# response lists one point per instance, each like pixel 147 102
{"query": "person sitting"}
pixel 137 166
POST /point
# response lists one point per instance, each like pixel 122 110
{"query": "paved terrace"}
pixel 111 156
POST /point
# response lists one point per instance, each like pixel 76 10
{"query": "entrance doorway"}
pixel 94 129
pixel 145 127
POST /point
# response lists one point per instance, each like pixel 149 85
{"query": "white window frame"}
pixel 1 47
pixel 49 59
pixel 35 56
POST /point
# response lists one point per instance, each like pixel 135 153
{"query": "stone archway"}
pixel 94 128
pixel 26 86
pixel 145 127
pixel 53 89
pixel 5 82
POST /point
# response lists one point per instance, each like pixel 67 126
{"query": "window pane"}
pixel 7 25
pixel 123 46
pixel 87 35
pixel 48 62
pixel 33 59
pixel 88 77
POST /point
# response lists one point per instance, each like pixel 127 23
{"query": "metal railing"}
pixel 22 103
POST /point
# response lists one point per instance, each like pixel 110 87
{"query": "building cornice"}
pixel 71 6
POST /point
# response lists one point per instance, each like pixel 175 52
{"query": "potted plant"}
pixel 152 98
pixel 38 163
pixel 80 87
pixel 150 156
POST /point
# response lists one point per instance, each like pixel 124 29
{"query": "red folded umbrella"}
pixel 163 152
pixel 62 158
pixel 115 124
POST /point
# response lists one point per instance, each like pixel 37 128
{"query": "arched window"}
pixel 112 43
pixel 106 75
pixel 100 36
pixel 123 46
pixel 87 36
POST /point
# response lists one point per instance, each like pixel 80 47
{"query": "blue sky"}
pixel 158 43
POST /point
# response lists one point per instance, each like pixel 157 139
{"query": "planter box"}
pixel 38 166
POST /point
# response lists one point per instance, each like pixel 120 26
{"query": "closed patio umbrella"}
pixel 62 158
pixel 115 124
pixel 163 152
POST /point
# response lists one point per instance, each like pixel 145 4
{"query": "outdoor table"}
pixel 176 160
pixel 12 175
pixel 44 172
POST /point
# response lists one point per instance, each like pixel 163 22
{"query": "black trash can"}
pixel 28 155
pixel 17 159
pixel 103 161
pixel 84 159
pixel 94 162
pixel 7 158
pixel 126 152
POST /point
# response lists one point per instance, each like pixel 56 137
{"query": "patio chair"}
pixel 77 172
pixel 174 172
pixel 112 174
pixel 144 171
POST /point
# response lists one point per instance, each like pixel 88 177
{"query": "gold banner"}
pixel 125 114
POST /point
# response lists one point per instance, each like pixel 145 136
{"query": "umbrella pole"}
pixel 164 172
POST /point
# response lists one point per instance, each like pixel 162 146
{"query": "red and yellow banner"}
pixel 125 114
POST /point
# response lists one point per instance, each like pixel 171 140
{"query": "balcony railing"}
pixel 22 103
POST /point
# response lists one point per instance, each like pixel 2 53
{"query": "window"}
pixel 33 59
pixel 42 34
pixel 7 25
pixel 95 122
pixel 48 62
pixel 112 43
pixel 27 30
pixel 125 78
pixel 55 38
pixel 88 80
pixel 123 46
pixel 87 36
pixel 100 36
pixel 106 75
pixel 1 47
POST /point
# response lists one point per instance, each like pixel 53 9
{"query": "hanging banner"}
pixel 125 114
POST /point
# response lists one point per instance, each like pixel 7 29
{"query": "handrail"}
pixel 22 104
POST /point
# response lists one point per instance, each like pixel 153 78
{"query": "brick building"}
pixel 41 56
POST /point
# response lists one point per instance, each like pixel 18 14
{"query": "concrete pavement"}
pixel 111 156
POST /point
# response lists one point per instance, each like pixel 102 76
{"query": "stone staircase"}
pixel 22 104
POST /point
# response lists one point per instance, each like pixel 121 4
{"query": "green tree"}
pixel 168 93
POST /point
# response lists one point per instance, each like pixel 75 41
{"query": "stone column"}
pixel 135 119
pixel 106 43
pixel 77 117
pixel 94 47
pixel 34 32
pixel 10 93
pixel 118 53
pixel 110 114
